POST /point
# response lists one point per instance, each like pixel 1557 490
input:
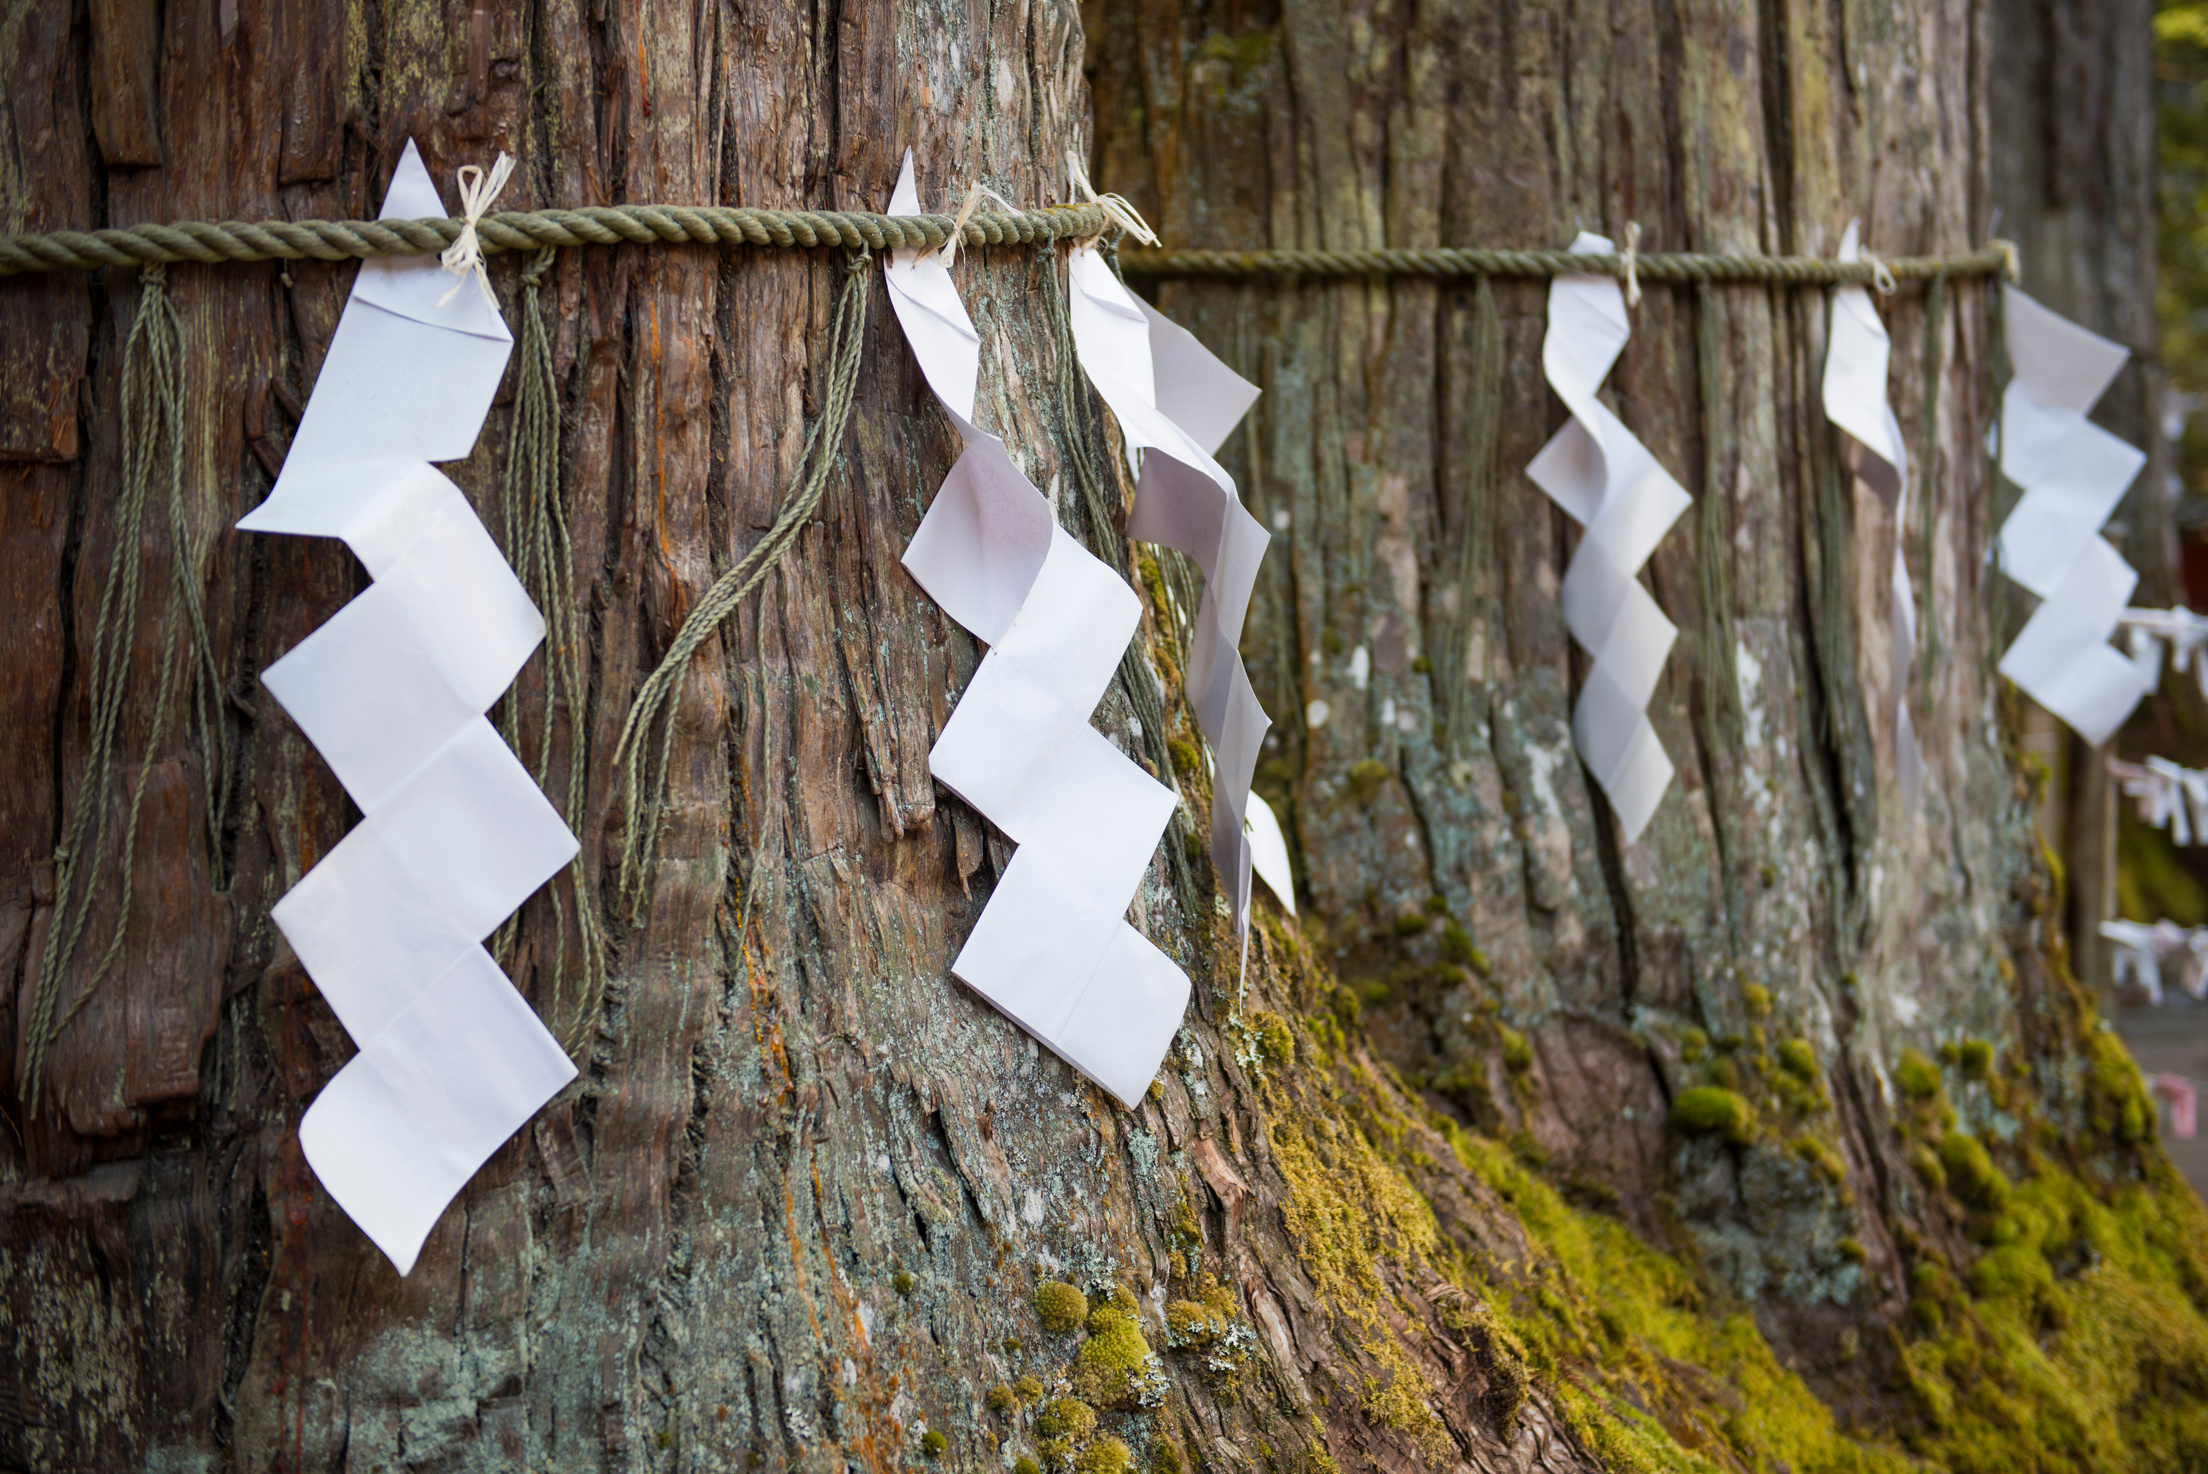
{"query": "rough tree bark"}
pixel 1406 1197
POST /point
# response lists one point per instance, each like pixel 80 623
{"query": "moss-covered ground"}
pixel 2071 1332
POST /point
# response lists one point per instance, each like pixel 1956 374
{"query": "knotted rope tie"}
pixel 153 420
pixel 1882 280
pixel 644 784
pixel 465 255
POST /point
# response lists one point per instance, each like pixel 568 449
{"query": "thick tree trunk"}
pixel 1785 858
pixel 795 1212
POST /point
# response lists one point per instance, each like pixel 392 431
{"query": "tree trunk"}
pixel 2076 193
pixel 1785 859
pixel 1405 1195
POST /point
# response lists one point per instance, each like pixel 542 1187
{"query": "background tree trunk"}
pixel 794 1212
pixel 2075 191
pixel 1785 858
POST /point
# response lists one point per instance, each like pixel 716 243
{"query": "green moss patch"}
pixel 1068 1418
pixel 1060 1307
pixel 1108 1369
pixel 2082 1342
pixel 1916 1076
pixel 1713 1110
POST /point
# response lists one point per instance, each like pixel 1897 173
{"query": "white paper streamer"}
pixel 2169 797
pixel 2072 473
pixel 2141 949
pixel 1052 948
pixel 1269 854
pixel 1175 404
pixel 2181 632
pixel 392 692
pixel 1856 359
pixel 1597 471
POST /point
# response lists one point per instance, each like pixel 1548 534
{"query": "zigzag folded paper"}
pixel 1599 473
pixel 1856 358
pixel 1052 949
pixel 2179 633
pixel 2073 473
pixel 2141 949
pixel 2169 797
pixel 1177 402
pixel 392 692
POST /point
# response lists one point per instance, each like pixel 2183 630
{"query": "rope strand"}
pixel 1092 462
pixel 644 782
pixel 1935 311
pixel 1474 527
pixel 1713 553
pixel 543 556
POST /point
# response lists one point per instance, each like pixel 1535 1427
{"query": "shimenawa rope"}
pixel 726 225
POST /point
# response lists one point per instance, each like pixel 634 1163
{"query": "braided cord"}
pixel 644 780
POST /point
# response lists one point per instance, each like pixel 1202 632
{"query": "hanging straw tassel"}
pixel 1455 683
pixel 153 421
pixel 464 257
pixel 543 556
pixel 1115 207
pixel 1713 550
pixel 1935 310
pixel 957 238
pixel 642 778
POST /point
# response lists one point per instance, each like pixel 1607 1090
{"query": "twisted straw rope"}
pixel 529 230
pixel 1448 261
pixel 612 225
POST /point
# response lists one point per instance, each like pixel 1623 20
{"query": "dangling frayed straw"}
pixel 464 257
pixel 1122 214
pixel 949 249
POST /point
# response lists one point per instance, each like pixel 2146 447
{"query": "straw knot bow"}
pixel 465 255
